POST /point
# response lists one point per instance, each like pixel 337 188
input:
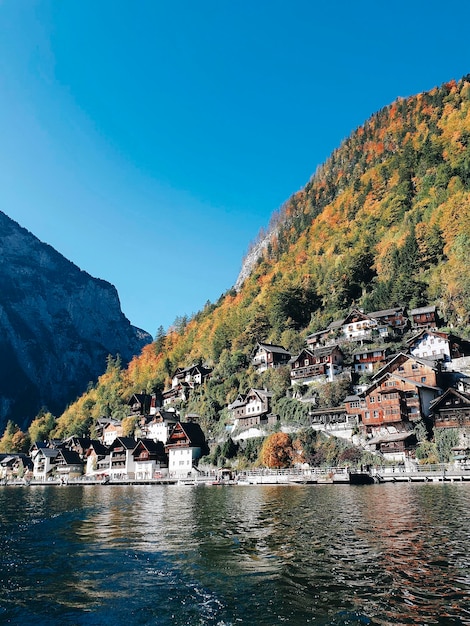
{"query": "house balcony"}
pixel 308 372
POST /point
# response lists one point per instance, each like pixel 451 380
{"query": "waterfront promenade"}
pixel 319 475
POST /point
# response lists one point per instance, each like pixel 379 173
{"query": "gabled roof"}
pixel 463 397
pixel 428 331
pixel 326 350
pixel 70 457
pixel 271 347
pixel 401 357
pixel 303 351
pixel 376 382
pixel 239 401
pixel 51 453
pixel 423 309
pixel 193 433
pixel 261 393
pixel 386 312
pixel 390 438
pixel 99 448
pixel 128 443
pixel 150 445
pixel 140 397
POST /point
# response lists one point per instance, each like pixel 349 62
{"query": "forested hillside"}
pixel 385 221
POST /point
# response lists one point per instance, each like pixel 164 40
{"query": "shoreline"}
pixel 331 476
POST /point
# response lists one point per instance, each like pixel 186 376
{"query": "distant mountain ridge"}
pixel 57 327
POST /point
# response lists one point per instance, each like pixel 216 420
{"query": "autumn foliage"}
pixel 384 221
pixel 277 451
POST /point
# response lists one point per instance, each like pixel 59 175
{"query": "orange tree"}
pixel 276 450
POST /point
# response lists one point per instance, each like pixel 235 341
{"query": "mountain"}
pixel 57 327
pixel 384 221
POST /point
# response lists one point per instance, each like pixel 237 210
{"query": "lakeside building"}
pixel 269 356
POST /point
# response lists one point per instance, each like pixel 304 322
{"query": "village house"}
pixel 107 429
pixel 139 403
pixel 309 365
pixel 451 410
pixel 183 381
pixel 424 317
pixel 413 368
pixel 391 322
pixel 150 459
pixel 360 326
pixel 434 344
pixel 185 446
pixel 76 444
pixel 268 355
pixel 68 464
pixel 96 458
pixel 44 462
pixel 15 465
pixel 159 425
pixel 178 393
pixel 366 361
pixel 193 375
pixel 252 409
pixel 121 459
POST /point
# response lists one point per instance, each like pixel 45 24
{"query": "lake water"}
pixel 246 555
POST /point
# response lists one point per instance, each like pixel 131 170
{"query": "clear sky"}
pixel 148 141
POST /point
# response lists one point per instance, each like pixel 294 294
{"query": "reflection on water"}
pixel 94 555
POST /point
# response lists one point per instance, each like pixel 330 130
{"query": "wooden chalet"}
pixel 150 459
pixel 309 365
pixel 451 410
pixel 179 392
pixel 369 360
pixel 431 343
pixel 121 459
pixel 414 368
pixel 392 400
pixel 15 465
pixel 424 317
pixel 267 355
pixel 193 375
pixel 77 444
pixel 393 446
pixel 159 425
pixel 185 446
pixel 96 458
pixel 252 409
pixel 68 464
pixel 391 322
pixel 140 403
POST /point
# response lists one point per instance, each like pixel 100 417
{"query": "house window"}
pixel 376 414
pixel 414 366
pixel 423 379
pixel 379 398
pixel 306 362
pixel 372 399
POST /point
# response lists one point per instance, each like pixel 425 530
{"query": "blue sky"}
pixel 149 141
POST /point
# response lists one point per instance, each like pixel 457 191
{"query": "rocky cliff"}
pixel 58 324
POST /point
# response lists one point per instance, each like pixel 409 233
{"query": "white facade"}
pixel 180 461
pixel 160 431
pixel 43 462
pixel 431 346
pixel 149 469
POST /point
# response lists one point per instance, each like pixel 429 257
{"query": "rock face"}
pixel 58 324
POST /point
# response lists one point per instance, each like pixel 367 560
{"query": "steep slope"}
pixel 385 221
pixel 57 326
